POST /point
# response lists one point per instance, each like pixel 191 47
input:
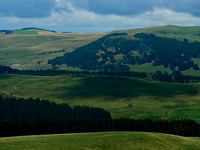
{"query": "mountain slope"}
pixel 120 51
pixel 31 48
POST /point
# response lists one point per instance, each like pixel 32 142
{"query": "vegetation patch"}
pixel 26 32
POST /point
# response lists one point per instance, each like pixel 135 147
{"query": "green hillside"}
pixel 24 47
pixel 122 96
pixel 25 31
pixel 124 51
pixel 170 31
pixel 101 141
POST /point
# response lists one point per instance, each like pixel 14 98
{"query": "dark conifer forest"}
pixel 12 108
pixel 20 116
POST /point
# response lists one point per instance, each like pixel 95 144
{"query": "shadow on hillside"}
pixel 122 87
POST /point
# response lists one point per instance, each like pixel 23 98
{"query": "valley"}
pixel 164 59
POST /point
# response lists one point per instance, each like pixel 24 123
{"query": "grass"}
pixel 122 96
pixel 24 48
pixel 170 31
pixel 149 68
pixel 101 141
pixel 25 32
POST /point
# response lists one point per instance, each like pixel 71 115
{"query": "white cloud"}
pixel 81 20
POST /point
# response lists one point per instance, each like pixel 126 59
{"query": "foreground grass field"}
pixel 122 96
pixel 101 141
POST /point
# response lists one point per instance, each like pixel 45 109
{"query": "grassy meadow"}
pixel 169 31
pixel 101 141
pixel 122 96
pixel 24 46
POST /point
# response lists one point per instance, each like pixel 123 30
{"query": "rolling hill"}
pixel 101 141
pixel 26 31
pixel 143 50
pixel 32 47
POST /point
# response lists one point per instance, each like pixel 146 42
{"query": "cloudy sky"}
pixel 97 15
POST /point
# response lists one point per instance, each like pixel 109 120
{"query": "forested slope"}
pixel 118 51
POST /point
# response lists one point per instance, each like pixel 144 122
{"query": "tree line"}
pixel 175 77
pixel 20 116
pixel 12 108
pixel 59 51
pixel 6 31
pixel 56 126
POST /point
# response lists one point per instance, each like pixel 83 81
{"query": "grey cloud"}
pixel 188 6
pixel 119 7
pixel 26 8
pixel 44 8
pixel 133 7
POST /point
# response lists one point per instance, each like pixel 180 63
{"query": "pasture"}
pixel 24 46
pixel 122 96
pixel 101 141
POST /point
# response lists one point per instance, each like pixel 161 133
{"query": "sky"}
pixel 90 16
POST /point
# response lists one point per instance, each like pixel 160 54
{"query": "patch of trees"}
pixel 161 51
pixel 86 57
pixel 35 127
pixel 37 29
pixel 20 116
pixel 12 108
pixel 6 69
pixel 51 52
pixel 163 32
pixel 6 31
pixel 170 52
pixel 115 68
pixel 175 77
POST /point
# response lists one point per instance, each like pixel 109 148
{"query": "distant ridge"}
pixel 29 28
pixel 6 31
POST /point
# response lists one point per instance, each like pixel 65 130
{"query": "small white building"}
pixel 15 65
